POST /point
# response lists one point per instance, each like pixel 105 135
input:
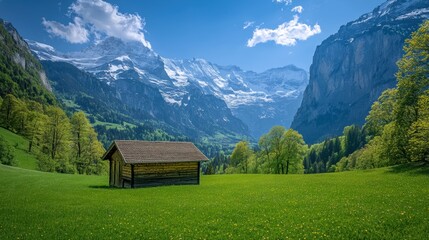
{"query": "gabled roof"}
pixel 155 152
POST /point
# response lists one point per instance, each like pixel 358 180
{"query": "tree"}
pixel 264 145
pixel 419 132
pixel 254 164
pixel 276 148
pixel 87 150
pixel 381 113
pixel 80 128
pixel 93 152
pixel 56 140
pixel 413 81
pixel 35 128
pixel 7 109
pixel 20 118
pixel 354 139
pixel 6 153
pixel 283 152
pixel 35 123
pixel 295 150
pixel 241 155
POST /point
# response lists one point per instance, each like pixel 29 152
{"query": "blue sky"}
pixel 252 34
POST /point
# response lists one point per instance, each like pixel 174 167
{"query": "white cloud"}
pixel 286 34
pixel 103 18
pixel 286 2
pixel 297 9
pixel 74 32
pixel 248 24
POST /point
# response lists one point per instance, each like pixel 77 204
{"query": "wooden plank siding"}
pixel 126 172
pixel 155 174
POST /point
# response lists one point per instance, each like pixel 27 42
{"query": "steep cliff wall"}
pixel 352 67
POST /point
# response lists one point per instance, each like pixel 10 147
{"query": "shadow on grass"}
pixel 106 187
pixel 415 168
pixel 101 187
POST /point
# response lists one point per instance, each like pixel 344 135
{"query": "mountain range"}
pixel 194 95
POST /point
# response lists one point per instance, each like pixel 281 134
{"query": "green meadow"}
pixel 387 203
pixel 20 149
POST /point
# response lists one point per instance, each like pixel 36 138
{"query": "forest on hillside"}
pixel 61 144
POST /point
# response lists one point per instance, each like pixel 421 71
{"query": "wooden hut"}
pixel 143 163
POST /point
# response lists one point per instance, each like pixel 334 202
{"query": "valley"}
pixel 337 149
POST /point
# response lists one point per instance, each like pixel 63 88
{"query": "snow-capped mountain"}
pixel 260 100
pixel 235 86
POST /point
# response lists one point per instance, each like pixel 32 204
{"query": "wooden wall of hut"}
pixel 156 174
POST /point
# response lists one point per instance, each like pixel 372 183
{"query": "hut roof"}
pixel 155 152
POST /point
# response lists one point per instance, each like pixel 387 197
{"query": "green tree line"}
pixel 280 151
pixel 61 144
pixel 325 156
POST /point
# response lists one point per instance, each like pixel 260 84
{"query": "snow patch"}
pixel 170 100
pixel 44 46
pixel 365 18
pixel 139 71
pixel 414 13
pixel 123 58
pixel 115 68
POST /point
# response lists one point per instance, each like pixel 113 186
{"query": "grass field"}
pixel 389 203
pixel 20 145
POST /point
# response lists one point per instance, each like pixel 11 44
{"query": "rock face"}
pixel 351 68
pixel 21 74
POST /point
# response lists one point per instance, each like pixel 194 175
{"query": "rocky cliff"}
pixel 351 68
pixel 21 74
